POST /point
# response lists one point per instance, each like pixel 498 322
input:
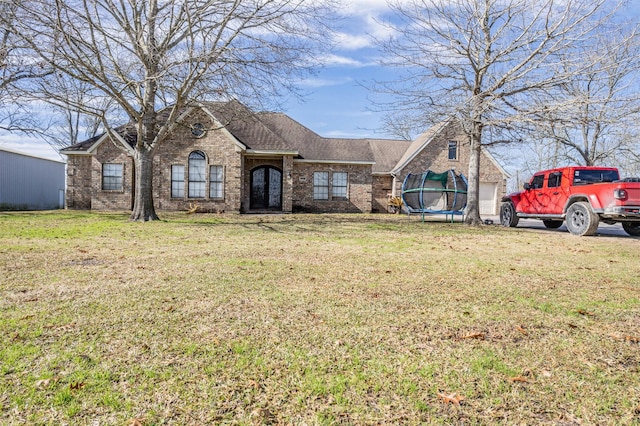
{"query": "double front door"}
pixel 266 188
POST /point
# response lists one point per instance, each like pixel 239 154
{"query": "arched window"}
pixel 197 175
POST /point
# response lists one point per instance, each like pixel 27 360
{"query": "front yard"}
pixel 313 319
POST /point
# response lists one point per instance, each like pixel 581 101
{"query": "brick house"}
pixel 224 157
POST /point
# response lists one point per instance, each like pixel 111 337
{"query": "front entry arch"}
pixel 266 188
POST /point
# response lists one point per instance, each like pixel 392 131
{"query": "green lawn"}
pixel 313 319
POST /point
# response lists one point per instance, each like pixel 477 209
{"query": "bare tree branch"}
pixel 148 55
pixel 482 61
pixel 594 116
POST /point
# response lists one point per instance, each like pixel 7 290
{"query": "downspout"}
pixel 393 185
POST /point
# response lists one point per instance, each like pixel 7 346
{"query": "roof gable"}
pixel 418 145
pixel 423 141
pixel 88 146
pixel 246 127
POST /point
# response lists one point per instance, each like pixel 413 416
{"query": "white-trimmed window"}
pixel 339 183
pixel 177 181
pixel 197 175
pixel 216 182
pixel 453 150
pixel 320 185
pixel 112 177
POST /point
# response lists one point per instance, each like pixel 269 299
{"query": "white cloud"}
pixel 316 83
pixel 29 146
pixel 343 61
pixel 363 25
pixel 346 41
pixel 359 7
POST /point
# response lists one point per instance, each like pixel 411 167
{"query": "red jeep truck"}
pixel 579 196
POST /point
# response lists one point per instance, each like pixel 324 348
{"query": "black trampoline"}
pixel 435 193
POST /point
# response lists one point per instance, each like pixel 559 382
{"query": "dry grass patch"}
pixel 313 319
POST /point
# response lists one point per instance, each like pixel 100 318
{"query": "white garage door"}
pixel 488 194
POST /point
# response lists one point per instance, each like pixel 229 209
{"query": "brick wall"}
pixel 365 193
pixel 79 188
pixel 358 189
pixel 381 186
pixel 218 148
pixel 108 152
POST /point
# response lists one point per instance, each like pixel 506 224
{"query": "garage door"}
pixel 488 194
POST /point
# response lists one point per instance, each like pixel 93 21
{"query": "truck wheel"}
pixel 508 216
pixel 631 228
pixel 552 224
pixel 581 220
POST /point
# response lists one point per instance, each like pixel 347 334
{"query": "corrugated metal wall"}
pixel 30 183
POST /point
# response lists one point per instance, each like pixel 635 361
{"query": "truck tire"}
pixel 508 215
pixel 552 224
pixel 631 228
pixel 581 220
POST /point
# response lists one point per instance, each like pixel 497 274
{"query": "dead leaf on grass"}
pixel 453 398
pixel 627 338
pixel 76 386
pixel 585 313
pixel 43 383
pixel 479 336
pixel 264 415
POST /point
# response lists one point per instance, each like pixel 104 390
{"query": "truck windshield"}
pixel 585 177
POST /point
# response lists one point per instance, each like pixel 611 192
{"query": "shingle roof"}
pixel 386 154
pixel 314 147
pixel 270 131
pixel 246 126
pixel 83 146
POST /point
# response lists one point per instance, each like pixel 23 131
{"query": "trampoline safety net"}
pixel 431 192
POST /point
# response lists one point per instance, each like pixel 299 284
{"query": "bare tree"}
pixel 593 119
pixel 19 110
pixel 152 54
pixel 480 61
pixel 14 69
pixel 69 125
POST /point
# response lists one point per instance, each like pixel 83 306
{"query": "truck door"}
pixel 529 197
pixel 552 197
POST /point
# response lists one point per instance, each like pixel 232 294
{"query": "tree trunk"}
pixel 143 209
pixel 473 189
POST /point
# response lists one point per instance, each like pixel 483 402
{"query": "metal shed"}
pixel 30 183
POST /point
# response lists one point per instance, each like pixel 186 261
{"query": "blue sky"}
pixel 336 104
pixel 339 104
